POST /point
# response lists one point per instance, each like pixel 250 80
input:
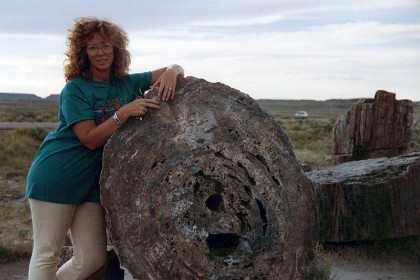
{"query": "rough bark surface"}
pixel 207 187
pixel 368 200
pixel 379 127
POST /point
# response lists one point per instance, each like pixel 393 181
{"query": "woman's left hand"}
pixel 166 84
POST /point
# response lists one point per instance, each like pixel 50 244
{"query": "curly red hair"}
pixel 77 63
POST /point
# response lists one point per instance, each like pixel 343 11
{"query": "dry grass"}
pixel 312 138
pixel 320 264
pixel 17 149
pixel 28 111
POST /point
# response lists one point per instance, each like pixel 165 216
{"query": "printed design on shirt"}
pixel 105 109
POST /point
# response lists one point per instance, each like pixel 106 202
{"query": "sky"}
pixel 268 49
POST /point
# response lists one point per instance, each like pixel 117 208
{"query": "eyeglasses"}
pixel 92 50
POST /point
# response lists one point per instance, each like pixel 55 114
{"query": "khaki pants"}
pixel 51 223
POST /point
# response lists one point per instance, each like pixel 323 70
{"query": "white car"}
pixel 301 115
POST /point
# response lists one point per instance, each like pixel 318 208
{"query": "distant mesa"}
pixel 53 97
pixel 26 96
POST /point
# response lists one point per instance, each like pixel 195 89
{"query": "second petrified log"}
pixel 207 187
pixel 379 127
pixel 370 199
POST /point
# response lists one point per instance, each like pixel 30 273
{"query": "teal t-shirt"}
pixel 64 170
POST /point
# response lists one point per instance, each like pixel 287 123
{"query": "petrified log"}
pixel 379 127
pixel 207 187
pixel 370 199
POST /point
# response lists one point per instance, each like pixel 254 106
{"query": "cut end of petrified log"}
pixel 207 187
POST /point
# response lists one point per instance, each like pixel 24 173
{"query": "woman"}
pixel 63 181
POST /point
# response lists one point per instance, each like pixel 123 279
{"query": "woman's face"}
pixel 101 56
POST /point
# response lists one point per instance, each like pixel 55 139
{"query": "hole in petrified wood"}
pixel 214 202
pixel 222 244
pixel 263 215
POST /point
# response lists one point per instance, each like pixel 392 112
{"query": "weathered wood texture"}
pixel 379 127
pixel 207 187
pixel 369 199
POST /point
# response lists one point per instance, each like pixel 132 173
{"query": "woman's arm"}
pixel 94 137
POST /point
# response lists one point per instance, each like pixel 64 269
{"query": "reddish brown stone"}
pixel 370 199
pixel 379 127
pixel 207 187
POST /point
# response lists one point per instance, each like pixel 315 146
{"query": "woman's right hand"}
pixel 138 107
pixel 94 137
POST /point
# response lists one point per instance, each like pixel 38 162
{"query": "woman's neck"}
pixel 100 76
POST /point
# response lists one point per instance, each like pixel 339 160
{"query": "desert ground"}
pixel 350 262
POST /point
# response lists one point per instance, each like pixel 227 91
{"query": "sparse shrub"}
pixel 415 138
pixel 28 111
pixel 36 133
pixel 11 251
pixel 17 149
pixel 5 210
pixel 320 264
pixel 24 214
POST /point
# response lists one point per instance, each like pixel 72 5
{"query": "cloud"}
pixel 334 59
pixel 241 13
pixel 269 49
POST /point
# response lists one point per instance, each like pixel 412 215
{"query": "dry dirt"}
pixel 14 271
pixel 348 264
pixel 359 265
pixel 19 271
